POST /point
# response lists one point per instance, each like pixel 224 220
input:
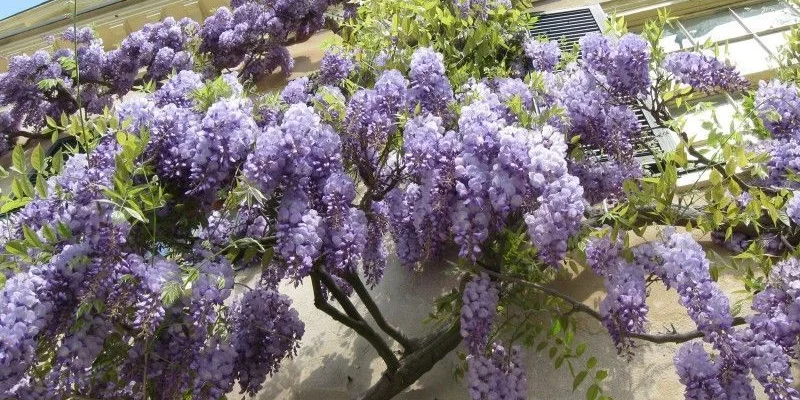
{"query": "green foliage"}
pixel 790 52
pixel 472 47
pixel 210 92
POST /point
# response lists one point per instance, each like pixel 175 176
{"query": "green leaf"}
pixel 135 213
pixel 680 155
pixel 14 204
pixel 63 230
pixel 57 163
pixel 578 379
pixel 591 363
pixel 18 159
pixel 47 84
pixel 83 309
pixel 16 248
pixel 172 291
pixel 31 237
pixel 592 392
pixel 41 186
pixel 51 123
pixel 191 275
pixel 580 349
pixel 555 328
pixel 600 375
pixel 541 346
pixel 49 234
pixel 37 158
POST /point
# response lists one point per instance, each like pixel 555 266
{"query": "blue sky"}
pixel 11 7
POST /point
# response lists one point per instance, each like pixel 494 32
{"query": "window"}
pixel 750 36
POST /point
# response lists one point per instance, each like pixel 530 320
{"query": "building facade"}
pixel 333 362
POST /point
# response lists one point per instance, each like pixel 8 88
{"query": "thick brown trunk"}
pixel 430 351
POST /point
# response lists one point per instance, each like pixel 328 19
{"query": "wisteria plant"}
pixel 455 142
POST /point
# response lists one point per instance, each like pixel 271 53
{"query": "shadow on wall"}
pixel 334 363
pixel 307 57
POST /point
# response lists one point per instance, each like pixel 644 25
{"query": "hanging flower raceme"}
pixel 624 309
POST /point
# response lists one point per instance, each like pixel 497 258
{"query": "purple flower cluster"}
pixel 430 87
pixel 255 33
pixel 498 376
pixel 784 161
pixel 336 65
pixel 557 219
pixel 430 154
pixel 686 268
pixel 20 91
pixel 159 47
pixel 401 208
pixel 299 234
pixel 7 129
pixel 773 330
pixel 214 368
pixel 197 150
pixel 620 65
pixel 698 373
pixel 22 317
pixel 737 243
pixel 264 331
pixel 479 305
pixel 479 126
pixel 374 257
pixel 605 180
pixel 704 73
pixel 542 56
pixel 297 91
pixel 778 106
pixel 346 226
pixel 178 90
pixel 596 117
pixel 468 181
pixel 793 207
pixel 763 348
pixel 624 309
